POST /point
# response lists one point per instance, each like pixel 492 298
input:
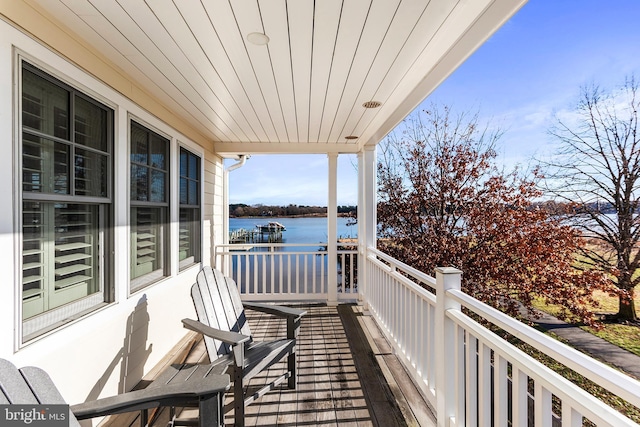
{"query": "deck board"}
pixel 347 376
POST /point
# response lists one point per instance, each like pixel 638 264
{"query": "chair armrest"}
pixel 166 395
pixel 293 315
pixel 228 337
pixel 276 310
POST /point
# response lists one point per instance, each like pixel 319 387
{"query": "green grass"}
pixel 624 336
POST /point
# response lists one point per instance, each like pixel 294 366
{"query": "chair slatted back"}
pixel 14 387
pixel 29 385
pixel 218 304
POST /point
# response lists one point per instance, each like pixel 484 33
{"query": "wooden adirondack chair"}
pixel 31 385
pixel 222 321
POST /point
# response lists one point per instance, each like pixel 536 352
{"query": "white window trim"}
pixel 200 198
pixel 168 272
pixel 30 330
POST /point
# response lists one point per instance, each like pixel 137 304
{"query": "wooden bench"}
pixel 223 323
pixel 31 385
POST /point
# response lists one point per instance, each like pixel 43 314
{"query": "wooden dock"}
pixel 243 235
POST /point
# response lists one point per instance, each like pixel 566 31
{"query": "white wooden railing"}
pixel 472 376
pixel 288 271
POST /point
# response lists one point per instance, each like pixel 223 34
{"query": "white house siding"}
pixel 107 351
pixel 213 226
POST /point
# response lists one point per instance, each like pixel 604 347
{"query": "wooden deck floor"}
pixel 347 376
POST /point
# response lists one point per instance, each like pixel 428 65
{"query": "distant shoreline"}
pixel 314 215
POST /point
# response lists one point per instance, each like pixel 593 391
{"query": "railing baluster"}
pixel 289 288
pixel 423 342
pixel 542 406
pixel 341 272
pixel 322 283
pixel 520 397
pixel 500 394
pixel 414 326
pixel 263 278
pixel 484 385
pixel 431 340
pixel 471 380
pixel 570 417
pixel 314 273
pixel 256 278
pixel 280 288
pixel 272 275
pixel 460 376
pixel 306 273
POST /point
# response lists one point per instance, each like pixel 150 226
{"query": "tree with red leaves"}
pixel 443 202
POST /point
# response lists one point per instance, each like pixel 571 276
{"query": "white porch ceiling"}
pixel 303 91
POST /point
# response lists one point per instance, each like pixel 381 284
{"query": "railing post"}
pixel 446 278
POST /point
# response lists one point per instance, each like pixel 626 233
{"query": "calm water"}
pixel 299 230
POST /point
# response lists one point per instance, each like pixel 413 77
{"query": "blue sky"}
pixel 531 69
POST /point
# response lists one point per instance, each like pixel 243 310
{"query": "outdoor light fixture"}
pixel 258 39
pixel 351 137
pixel 372 104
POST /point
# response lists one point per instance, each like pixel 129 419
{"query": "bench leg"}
pixel 210 411
pixel 293 328
pixel 144 418
pixel 291 366
pixel 238 398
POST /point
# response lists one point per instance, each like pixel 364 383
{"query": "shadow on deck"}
pixel 347 376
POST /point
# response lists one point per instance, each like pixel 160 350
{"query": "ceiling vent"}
pixel 372 104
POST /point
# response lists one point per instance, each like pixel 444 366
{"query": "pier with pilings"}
pixel 262 235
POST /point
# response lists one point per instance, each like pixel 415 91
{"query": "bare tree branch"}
pixel 597 167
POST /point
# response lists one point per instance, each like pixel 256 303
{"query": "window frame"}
pixel 101 225
pixel 196 209
pixel 145 280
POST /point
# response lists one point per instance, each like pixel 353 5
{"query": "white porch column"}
pixel 367 216
pixel 369 193
pixel 223 265
pixel 332 231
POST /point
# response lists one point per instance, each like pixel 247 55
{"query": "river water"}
pixel 300 230
pixel 310 278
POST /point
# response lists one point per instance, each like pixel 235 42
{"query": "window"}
pixel 149 206
pixel 67 141
pixel 190 228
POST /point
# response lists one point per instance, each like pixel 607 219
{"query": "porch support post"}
pixel 370 185
pixel 367 215
pixel 217 261
pixel 445 346
pixel 332 231
pixel 223 263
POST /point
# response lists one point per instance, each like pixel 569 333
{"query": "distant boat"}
pixel 271 227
